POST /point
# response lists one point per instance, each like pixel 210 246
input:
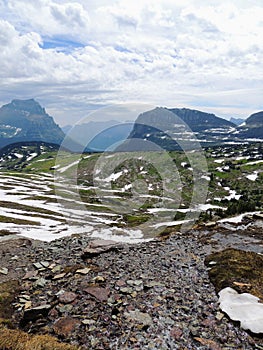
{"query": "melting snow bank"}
pixel 238 219
pixel 253 176
pixel 244 308
pixel 171 223
pixel 113 233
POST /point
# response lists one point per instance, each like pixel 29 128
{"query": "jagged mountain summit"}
pixel 26 120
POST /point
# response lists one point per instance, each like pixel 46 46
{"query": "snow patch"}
pixel 114 177
pixel 253 176
pixel 206 177
pixel 19 156
pixel 65 168
pixel 32 155
pixel 244 308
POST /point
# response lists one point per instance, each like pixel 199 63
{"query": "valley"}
pixel 47 194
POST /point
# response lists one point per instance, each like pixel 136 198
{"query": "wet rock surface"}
pixel 155 295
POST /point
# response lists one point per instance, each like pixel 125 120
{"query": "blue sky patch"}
pixel 60 44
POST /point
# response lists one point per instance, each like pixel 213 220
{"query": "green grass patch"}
pixel 26 208
pixel 7 219
pixel 134 220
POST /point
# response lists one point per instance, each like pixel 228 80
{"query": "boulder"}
pixel 99 246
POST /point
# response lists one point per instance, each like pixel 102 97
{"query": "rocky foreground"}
pixel 77 294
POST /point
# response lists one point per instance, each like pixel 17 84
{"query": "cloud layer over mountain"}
pixel 75 56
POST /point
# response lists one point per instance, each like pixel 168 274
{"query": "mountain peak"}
pixel 31 106
pixel 26 120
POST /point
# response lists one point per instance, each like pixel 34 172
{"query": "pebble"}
pixel 99 246
pixel 38 265
pixel 64 308
pixel 4 271
pixel 40 282
pixel 176 333
pixel 100 294
pixel 56 268
pixel 88 322
pixel 30 275
pixel 65 326
pixel 45 264
pixel 84 271
pixel 219 315
pixel 67 297
pixel 139 317
pixel 59 276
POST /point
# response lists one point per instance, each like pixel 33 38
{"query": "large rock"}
pixel 67 297
pixel 99 246
pixel 101 294
pixel 139 317
pixel 64 326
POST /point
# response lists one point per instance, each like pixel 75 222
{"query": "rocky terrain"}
pixel 105 295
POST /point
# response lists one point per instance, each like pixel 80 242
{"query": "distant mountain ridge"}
pixel 253 127
pixel 255 120
pixel 26 120
pixel 178 128
pixel 200 121
pixel 237 121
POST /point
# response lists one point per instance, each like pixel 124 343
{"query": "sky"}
pixel 75 57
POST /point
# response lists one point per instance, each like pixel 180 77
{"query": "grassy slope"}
pixel 233 176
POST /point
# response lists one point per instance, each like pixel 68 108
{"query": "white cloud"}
pixel 50 18
pixel 164 52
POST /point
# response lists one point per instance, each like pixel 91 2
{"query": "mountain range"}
pixel 181 128
pixel 27 121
